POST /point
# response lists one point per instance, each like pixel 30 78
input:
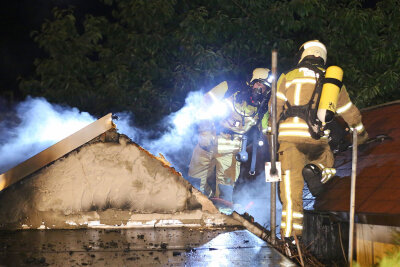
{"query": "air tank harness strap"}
pixel 294 111
pixel 307 112
pixel 334 81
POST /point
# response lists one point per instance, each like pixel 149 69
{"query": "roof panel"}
pixel 378 168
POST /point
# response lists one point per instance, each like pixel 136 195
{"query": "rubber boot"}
pixel 312 174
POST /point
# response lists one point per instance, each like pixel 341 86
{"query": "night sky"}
pixel 17 49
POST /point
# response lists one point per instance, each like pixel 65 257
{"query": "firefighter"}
pixel 220 140
pixel 304 150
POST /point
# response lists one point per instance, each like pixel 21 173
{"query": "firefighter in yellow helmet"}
pixel 221 139
pixel 304 138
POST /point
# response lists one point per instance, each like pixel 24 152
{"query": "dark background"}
pixel 17 48
pixel 198 44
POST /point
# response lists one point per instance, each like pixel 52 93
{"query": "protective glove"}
pixel 327 174
pixel 362 137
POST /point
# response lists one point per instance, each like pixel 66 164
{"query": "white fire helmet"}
pixel 263 75
pixel 313 48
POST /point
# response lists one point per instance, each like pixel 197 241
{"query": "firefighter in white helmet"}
pixel 220 140
pixel 304 138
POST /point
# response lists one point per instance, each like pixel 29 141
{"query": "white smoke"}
pixel 177 139
pixel 34 125
pixel 178 127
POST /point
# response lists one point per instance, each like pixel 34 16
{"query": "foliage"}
pixel 147 55
pixel 391 258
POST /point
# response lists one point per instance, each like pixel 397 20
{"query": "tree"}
pixel 148 55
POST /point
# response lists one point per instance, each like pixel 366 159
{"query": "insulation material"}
pixel 108 181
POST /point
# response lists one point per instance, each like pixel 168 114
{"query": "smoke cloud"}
pixel 35 124
pixel 177 139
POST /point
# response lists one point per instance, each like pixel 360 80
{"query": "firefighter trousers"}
pixel 293 157
pixel 207 165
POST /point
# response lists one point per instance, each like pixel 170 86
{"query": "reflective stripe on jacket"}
pixel 297 87
pixel 240 118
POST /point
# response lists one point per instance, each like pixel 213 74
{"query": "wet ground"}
pixel 137 247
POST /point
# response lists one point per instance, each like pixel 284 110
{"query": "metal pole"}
pixel 352 197
pixel 274 64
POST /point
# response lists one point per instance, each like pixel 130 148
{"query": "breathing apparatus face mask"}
pixel 259 90
pixel 256 94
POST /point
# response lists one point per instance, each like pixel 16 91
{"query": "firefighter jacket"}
pixel 296 87
pixel 221 138
pixel 240 116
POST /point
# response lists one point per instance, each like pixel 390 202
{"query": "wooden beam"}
pixel 56 151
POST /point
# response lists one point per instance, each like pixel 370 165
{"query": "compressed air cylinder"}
pixel 329 95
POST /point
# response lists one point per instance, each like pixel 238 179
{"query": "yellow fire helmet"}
pixel 263 75
pixel 313 48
